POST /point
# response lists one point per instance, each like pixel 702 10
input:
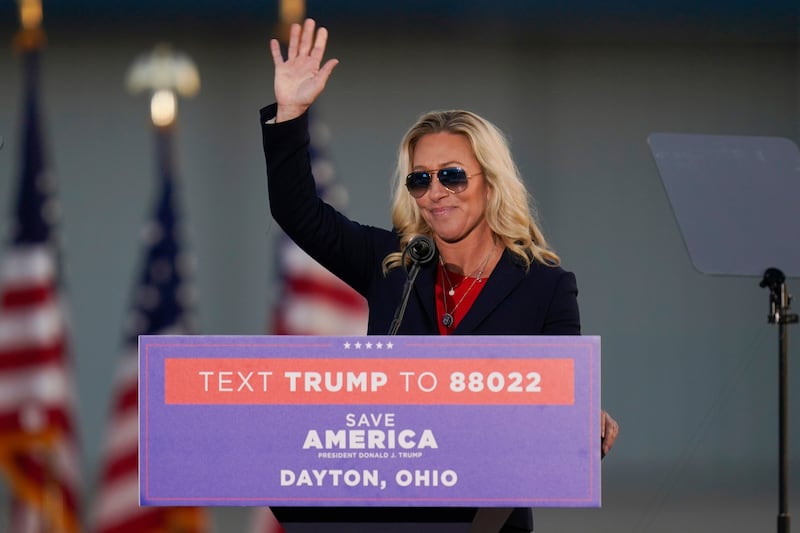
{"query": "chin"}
pixel 449 238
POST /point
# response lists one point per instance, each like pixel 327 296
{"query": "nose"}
pixel 436 190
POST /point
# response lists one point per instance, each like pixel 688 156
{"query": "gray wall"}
pixel 689 362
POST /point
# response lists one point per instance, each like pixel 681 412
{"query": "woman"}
pixel 457 184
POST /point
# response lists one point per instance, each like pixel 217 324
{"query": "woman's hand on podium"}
pixel 609 429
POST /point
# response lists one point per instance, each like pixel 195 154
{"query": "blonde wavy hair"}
pixel 510 211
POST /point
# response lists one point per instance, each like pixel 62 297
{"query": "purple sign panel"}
pixel 505 421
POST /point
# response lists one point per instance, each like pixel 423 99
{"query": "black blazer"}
pixel 541 300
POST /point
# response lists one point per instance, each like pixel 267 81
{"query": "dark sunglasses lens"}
pixel 417 183
pixel 454 179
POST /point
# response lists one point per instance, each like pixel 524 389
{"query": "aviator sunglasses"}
pixel 454 179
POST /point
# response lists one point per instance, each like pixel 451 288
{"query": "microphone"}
pixel 421 251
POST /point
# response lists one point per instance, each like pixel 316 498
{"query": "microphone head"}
pixel 421 249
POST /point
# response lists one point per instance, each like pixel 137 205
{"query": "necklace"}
pixel 452 290
pixel 447 317
pixel 475 273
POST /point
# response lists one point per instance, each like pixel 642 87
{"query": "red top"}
pixel 465 291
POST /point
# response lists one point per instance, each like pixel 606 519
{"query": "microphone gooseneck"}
pixel 421 250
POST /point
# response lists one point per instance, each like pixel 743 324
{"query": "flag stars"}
pixel 346 345
pixel 369 346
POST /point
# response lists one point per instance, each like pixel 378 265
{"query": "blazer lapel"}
pixel 506 275
pixel 425 289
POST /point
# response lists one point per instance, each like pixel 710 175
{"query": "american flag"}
pixel 161 304
pixel 313 301
pixel 39 452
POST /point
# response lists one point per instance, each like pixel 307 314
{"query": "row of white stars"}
pixel 368 345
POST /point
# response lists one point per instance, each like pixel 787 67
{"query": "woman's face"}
pixel 452 216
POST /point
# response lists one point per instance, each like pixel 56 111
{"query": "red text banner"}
pixel 342 381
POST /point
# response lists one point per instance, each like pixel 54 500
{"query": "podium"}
pixel 396 433
pixel 391 519
pixel 735 199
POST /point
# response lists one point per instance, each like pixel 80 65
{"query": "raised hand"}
pixel 299 79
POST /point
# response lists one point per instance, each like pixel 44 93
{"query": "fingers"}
pixel 275 48
pixel 294 40
pixel 300 42
pixel 603 416
pixel 319 44
pixel 299 79
pixel 609 429
pixel 327 68
pixel 307 37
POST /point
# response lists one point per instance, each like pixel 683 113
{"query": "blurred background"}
pixel 690 364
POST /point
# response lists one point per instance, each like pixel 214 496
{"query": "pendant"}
pixel 451 292
pixel 447 320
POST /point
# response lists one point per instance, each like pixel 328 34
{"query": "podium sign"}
pixel 462 421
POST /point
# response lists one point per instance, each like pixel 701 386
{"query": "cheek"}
pixel 419 208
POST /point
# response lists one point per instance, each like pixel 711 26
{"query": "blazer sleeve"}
pixel 563 316
pixel 341 245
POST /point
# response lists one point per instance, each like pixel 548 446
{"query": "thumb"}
pixel 326 70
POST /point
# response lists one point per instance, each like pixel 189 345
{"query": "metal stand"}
pixel 421 250
pixel 779 313
pixel 759 177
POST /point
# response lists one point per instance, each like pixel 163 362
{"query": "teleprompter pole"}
pixel 779 313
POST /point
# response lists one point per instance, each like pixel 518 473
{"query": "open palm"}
pixel 299 79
